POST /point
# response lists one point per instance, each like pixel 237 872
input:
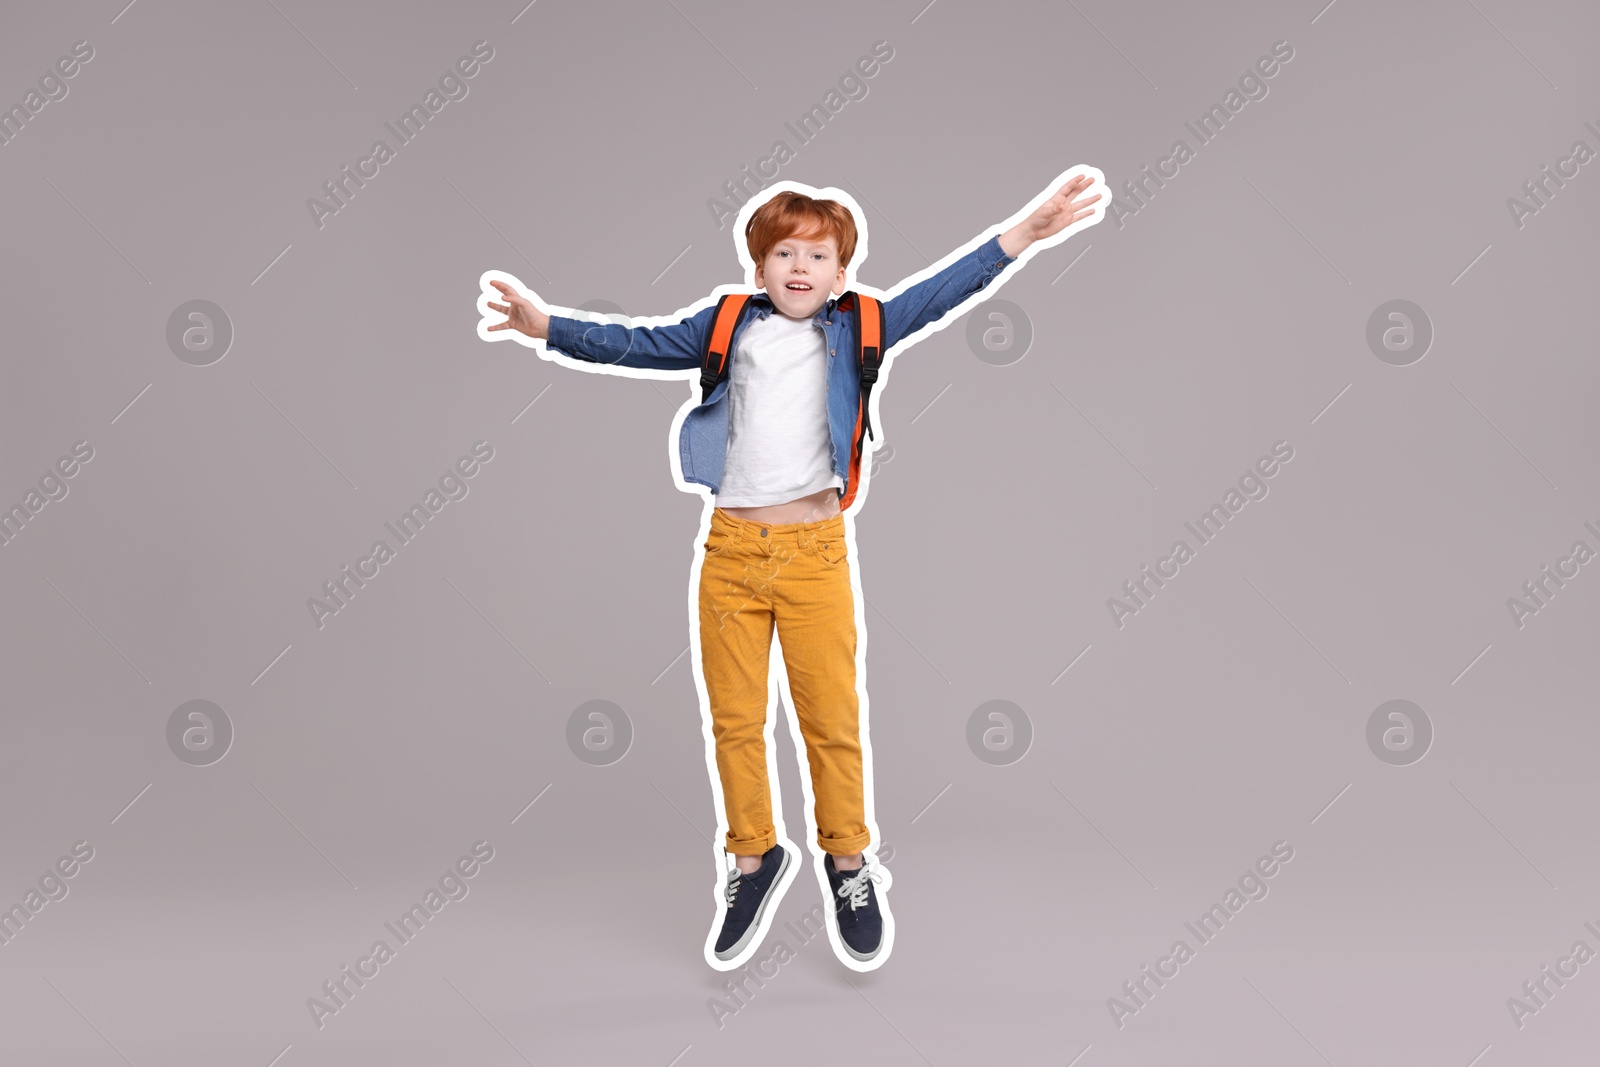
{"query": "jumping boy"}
pixel 777 439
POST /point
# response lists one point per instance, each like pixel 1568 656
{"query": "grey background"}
pixel 1231 713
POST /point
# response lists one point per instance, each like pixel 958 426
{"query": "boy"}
pixel 773 442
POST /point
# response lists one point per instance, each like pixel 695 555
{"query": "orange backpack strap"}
pixel 867 313
pixel 714 358
pixel 869 346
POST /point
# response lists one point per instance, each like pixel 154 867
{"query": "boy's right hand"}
pixel 521 315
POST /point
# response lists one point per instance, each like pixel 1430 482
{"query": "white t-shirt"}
pixel 778 446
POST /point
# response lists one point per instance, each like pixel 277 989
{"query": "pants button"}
pixel 763 531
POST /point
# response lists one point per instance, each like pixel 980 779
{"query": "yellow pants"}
pixel 793 576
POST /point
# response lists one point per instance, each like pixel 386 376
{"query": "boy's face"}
pixel 799 274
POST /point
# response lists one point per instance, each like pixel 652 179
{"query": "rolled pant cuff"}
pixel 756 846
pixel 845 846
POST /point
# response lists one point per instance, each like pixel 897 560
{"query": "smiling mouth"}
pixel 798 287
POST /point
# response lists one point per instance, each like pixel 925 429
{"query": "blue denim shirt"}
pixel 703 436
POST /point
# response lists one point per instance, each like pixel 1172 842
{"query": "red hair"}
pixel 794 215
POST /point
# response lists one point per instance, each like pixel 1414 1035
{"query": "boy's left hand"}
pixel 1067 206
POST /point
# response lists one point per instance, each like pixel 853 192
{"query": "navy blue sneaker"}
pixel 855 908
pixel 747 897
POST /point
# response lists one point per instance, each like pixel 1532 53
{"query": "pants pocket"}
pixel 832 550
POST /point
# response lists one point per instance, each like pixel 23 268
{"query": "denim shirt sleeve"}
pixel 930 299
pixel 673 347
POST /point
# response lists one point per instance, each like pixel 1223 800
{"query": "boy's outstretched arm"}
pixel 933 297
pixel 671 347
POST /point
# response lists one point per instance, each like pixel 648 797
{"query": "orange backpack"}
pixel 869 329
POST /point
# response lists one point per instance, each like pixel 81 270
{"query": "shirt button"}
pixel 830 351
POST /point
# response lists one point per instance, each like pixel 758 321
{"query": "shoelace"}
pixel 855 889
pixel 735 879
